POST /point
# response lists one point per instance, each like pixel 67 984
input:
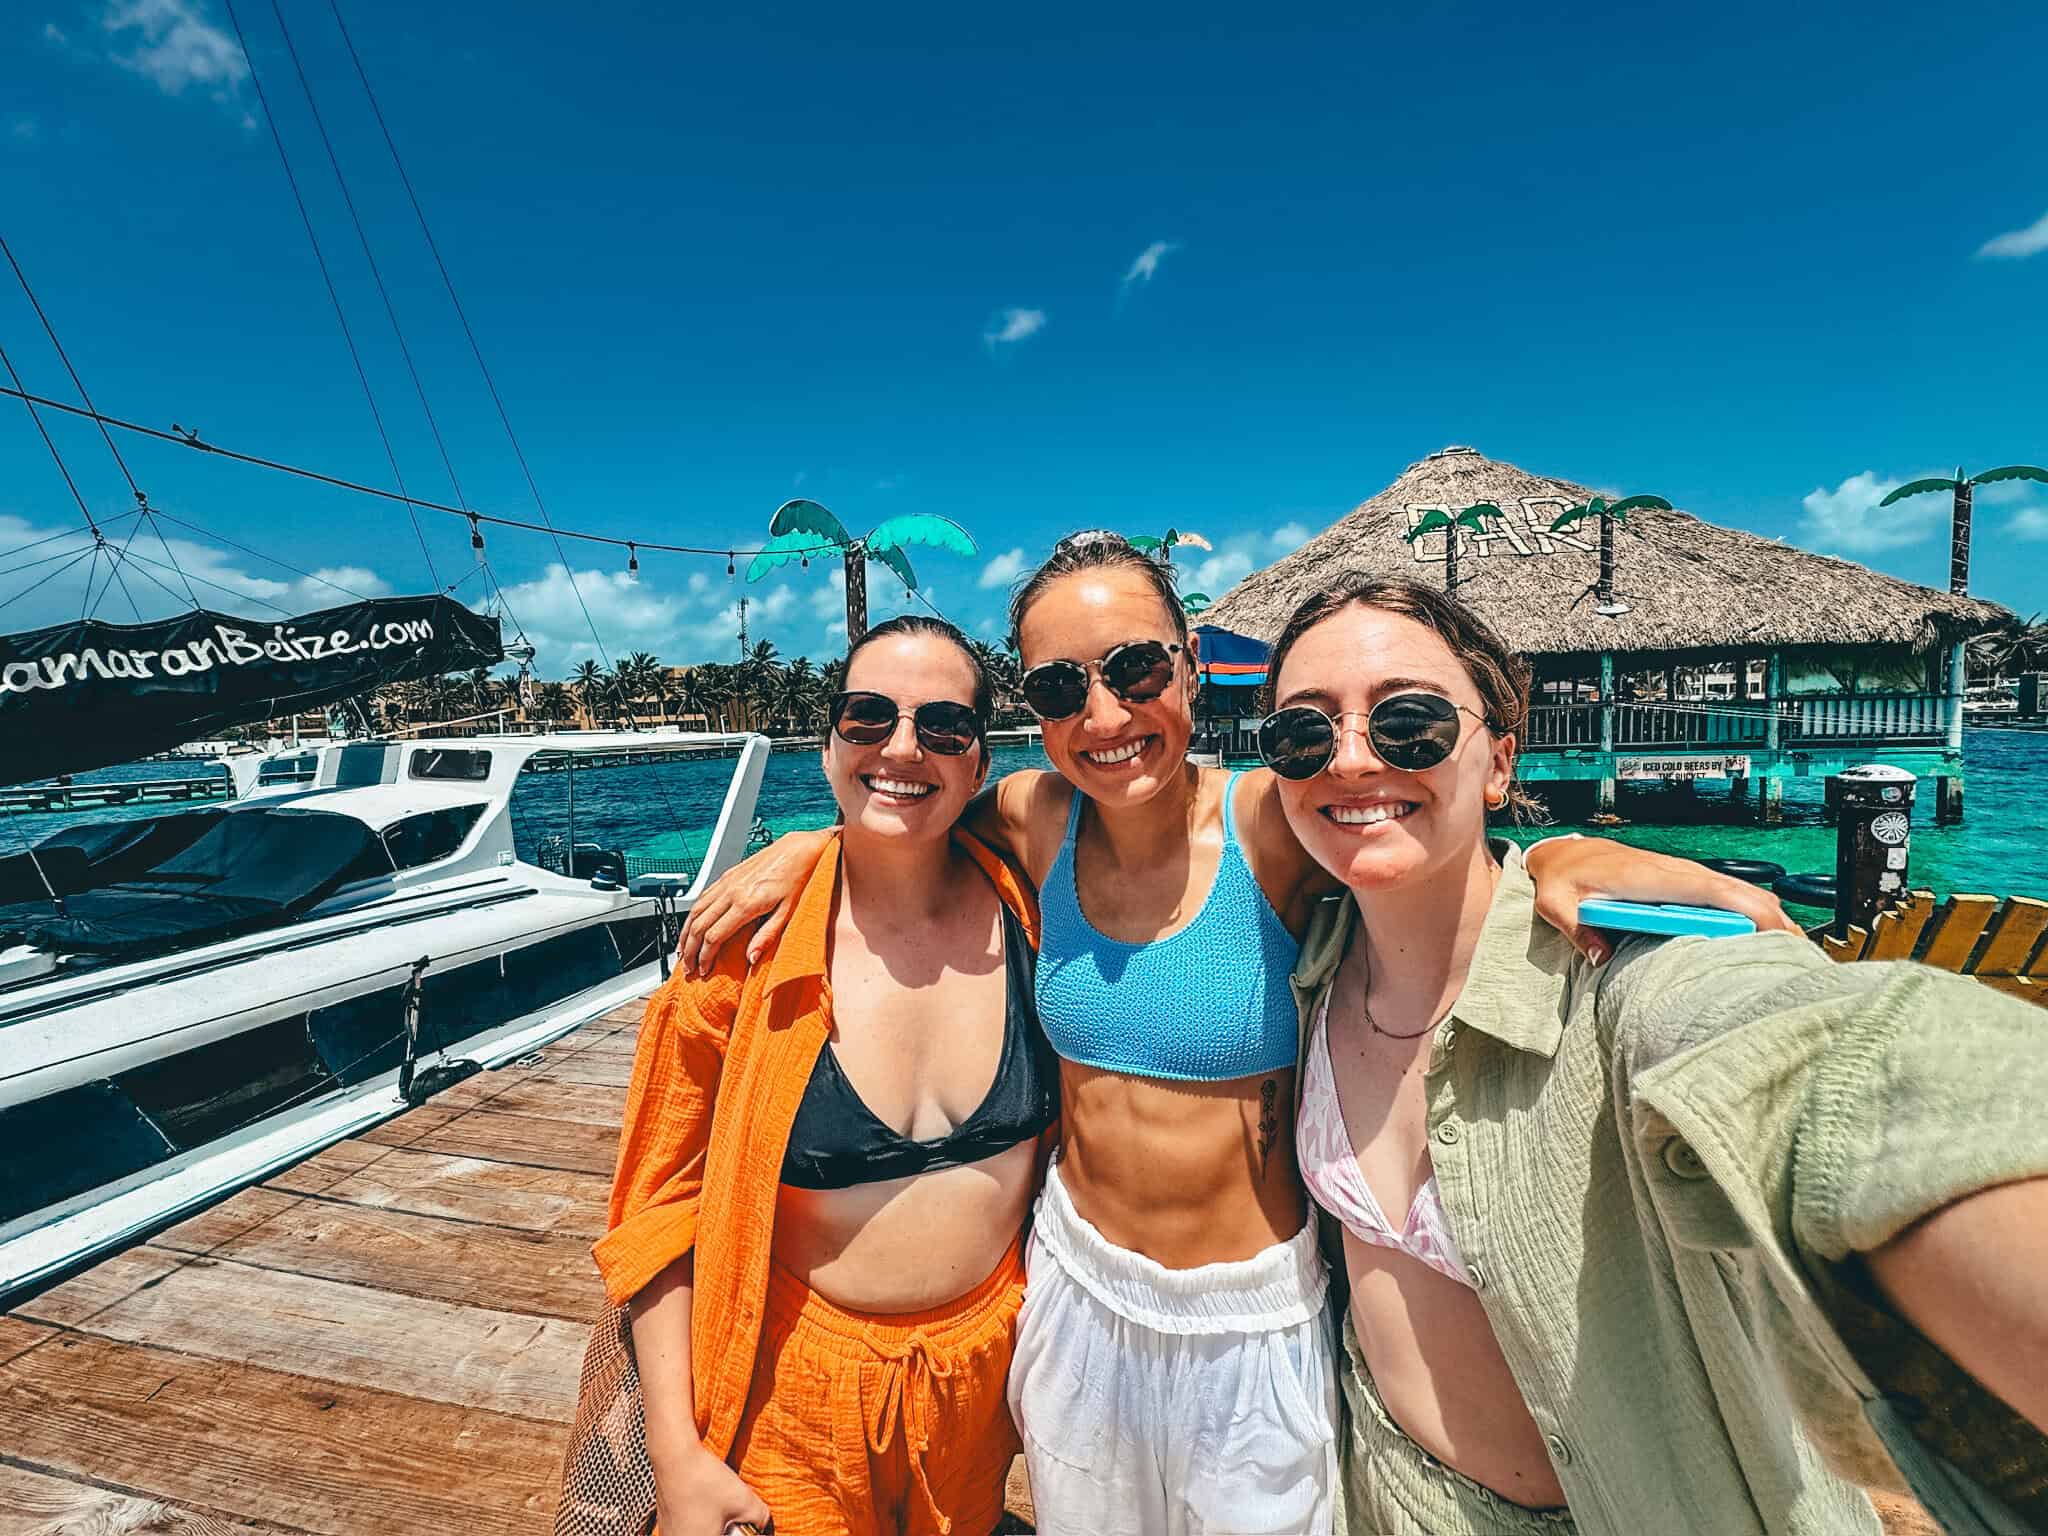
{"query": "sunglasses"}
pixel 1409 731
pixel 868 719
pixel 1136 672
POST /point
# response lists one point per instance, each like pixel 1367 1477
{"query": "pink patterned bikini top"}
pixel 1329 1167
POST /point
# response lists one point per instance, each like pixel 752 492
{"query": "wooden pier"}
pixel 381 1341
pixel 34 798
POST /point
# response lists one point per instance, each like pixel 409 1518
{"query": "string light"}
pixel 476 537
pixel 728 563
pixel 632 560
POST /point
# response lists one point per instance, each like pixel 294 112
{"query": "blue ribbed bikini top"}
pixel 1205 1004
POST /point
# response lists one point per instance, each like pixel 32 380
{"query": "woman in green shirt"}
pixel 1661 1262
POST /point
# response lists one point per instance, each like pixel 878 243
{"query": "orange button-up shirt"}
pixel 720 1070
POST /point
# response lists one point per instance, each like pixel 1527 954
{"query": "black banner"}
pixel 78 696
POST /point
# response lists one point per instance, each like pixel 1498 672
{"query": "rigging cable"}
pixel 376 276
pixel 326 277
pixel 189 438
pixel 568 568
pixel 77 383
pixel 258 554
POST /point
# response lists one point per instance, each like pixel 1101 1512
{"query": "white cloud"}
pixel 630 616
pixel 699 584
pixel 23 128
pixel 176 46
pixel 2017 244
pixel 1003 570
pixel 2029 523
pixel 1220 572
pixel 52 33
pixel 2006 493
pixel 1147 265
pixel 1012 326
pixel 1287 538
pixel 1848 518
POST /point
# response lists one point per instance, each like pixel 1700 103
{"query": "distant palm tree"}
pixel 803 528
pixel 758 678
pixel 1473 517
pixel 1959 518
pixel 591 684
pixel 2020 645
pixel 712 686
pixel 1609 513
pixel 1001 668
pixel 552 704
pixel 797 700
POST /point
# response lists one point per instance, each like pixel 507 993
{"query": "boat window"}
pixel 422 839
pixel 288 770
pixel 359 766
pixel 459 763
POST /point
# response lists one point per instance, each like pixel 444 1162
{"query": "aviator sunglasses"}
pixel 1409 731
pixel 864 719
pixel 1136 672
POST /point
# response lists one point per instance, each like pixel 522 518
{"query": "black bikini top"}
pixel 837 1142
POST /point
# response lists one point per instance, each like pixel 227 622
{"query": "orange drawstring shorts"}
pixel 895 1424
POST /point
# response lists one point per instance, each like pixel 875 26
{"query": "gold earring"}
pixel 1497 805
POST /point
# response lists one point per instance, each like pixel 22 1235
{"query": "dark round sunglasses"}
pixel 868 719
pixel 1409 731
pixel 1136 672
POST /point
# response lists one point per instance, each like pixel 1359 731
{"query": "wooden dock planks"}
pixel 382 1339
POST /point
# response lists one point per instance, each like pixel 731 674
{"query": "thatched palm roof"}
pixel 1688 584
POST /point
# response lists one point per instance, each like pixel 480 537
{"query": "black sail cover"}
pixel 84 695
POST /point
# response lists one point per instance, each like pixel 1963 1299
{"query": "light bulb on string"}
pixel 728 563
pixel 632 560
pixel 476 537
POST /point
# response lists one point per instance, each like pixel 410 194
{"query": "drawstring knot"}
pixel 908 1397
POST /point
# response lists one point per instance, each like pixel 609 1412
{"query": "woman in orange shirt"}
pixel 828 1155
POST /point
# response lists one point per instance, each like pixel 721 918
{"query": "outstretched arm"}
pixel 1569 869
pixel 1566 870
pixel 764 886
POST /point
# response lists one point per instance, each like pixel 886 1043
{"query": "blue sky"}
pixel 1034 270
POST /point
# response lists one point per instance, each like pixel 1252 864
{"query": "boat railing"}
pixel 1844 717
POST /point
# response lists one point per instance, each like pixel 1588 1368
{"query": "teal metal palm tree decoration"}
pixel 1194 602
pixel 1165 545
pixel 1473 517
pixel 802 528
pixel 1609 513
pixel 1959 519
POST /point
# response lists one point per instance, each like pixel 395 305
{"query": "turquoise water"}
pixel 2000 849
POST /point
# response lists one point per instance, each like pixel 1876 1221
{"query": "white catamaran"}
pixel 215 993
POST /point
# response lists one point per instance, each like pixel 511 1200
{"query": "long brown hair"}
pixel 1096 552
pixel 1499 674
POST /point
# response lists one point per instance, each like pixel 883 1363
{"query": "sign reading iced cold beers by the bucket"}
pixel 1736 767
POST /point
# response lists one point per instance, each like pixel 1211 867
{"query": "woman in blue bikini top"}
pixel 1174 900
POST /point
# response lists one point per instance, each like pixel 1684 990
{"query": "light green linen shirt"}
pixel 1650 1169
